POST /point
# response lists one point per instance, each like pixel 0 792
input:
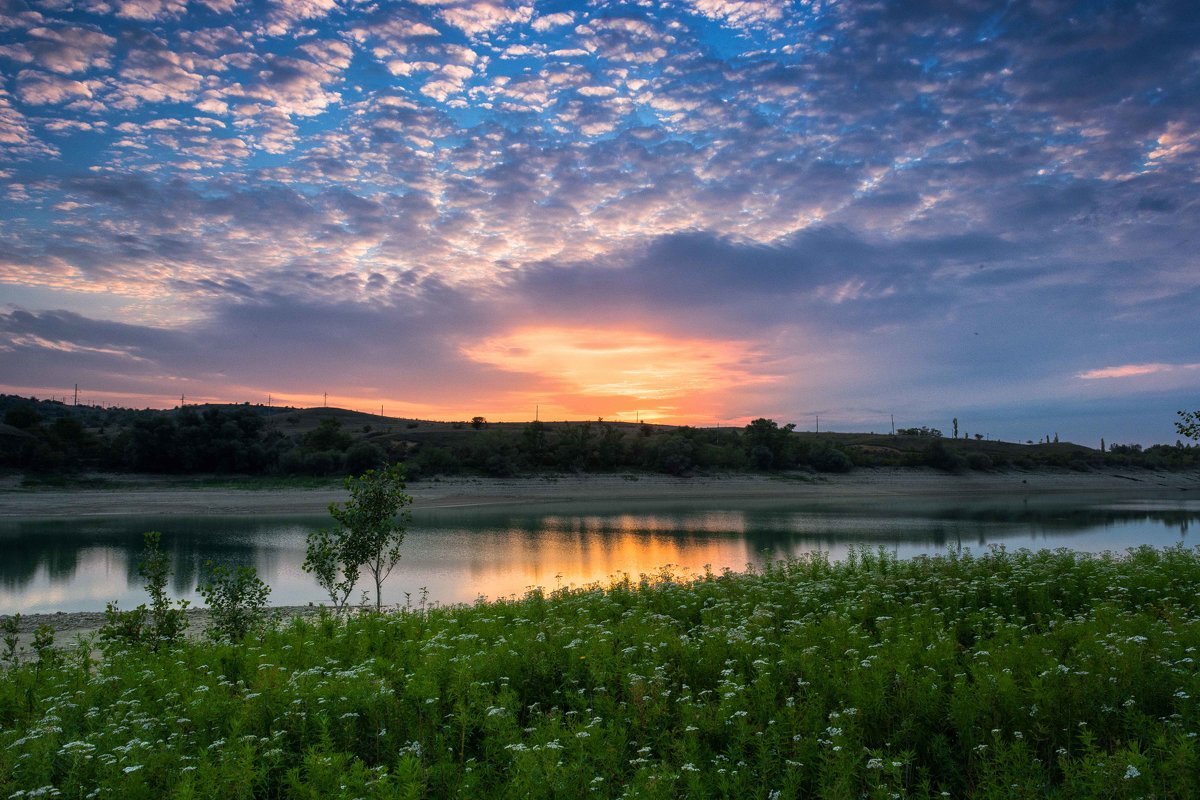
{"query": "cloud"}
pixel 478 17
pixel 285 15
pixel 740 12
pixel 16 136
pixel 40 88
pixel 1134 371
pixel 146 10
pixel 944 194
pixel 63 50
pixel 545 22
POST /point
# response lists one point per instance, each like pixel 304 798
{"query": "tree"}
pixel 367 535
pixel 478 422
pixel 955 422
pixel 766 434
pixel 1189 425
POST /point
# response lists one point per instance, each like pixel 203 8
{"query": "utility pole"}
pixel 537 410
pixel 818 423
pixel 893 424
pixel 181 399
pixel 77 394
pixel 326 400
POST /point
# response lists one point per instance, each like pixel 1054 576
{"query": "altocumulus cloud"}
pixel 938 209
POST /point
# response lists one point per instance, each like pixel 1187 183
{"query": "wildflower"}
pixel 1131 772
pixel 875 763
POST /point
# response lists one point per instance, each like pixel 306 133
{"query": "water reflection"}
pixel 457 555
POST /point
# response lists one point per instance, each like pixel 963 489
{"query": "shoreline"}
pixel 861 485
pixel 71 626
pixel 560 493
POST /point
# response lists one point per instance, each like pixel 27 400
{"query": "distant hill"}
pixel 53 437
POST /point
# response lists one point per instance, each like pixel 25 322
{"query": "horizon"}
pixel 700 212
pixel 712 424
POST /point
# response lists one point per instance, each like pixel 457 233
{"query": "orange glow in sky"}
pixel 609 372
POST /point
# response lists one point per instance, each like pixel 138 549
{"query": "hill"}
pixel 52 437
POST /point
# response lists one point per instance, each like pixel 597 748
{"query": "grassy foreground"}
pixel 1001 675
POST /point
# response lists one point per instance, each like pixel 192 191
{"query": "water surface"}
pixel 459 555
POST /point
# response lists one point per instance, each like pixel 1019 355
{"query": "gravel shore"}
pixel 861 484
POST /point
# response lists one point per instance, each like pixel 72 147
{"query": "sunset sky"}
pixel 702 212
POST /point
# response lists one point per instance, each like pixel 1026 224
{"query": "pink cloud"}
pixel 1133 370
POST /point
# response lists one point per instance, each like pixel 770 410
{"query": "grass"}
pixel 1002 675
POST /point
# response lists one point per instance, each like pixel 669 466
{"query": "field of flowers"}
pixel 1008 674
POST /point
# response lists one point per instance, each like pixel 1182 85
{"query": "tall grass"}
pixel 1009 674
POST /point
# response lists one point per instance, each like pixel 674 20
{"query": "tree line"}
pixel 51 437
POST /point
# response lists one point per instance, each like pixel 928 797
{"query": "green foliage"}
pixel 943 456
pixel 237 602
pixel 368 533
pixel 921 431
pixel 10 627
pixel 161 623
pixel 328 435
pixel 769 444
pixel 362 457
pixel 830 459
pixel 330 559
pixel 1189 425
pixel 1005 674
pixel 23 417
pixel 978 461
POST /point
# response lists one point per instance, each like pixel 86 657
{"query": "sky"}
pixel 697 212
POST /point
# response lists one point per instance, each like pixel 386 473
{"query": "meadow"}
pixel 1001 674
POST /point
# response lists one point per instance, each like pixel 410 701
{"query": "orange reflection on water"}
pixel 585 550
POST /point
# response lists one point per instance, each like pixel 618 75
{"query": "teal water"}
pixel 460 555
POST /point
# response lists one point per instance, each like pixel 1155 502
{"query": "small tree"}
pixel 330 560
pixel 1189 425
pixel 478 422
pixel 367 535
pixel 955 422
pixel 158 624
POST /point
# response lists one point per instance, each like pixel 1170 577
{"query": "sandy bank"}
pixel 861 485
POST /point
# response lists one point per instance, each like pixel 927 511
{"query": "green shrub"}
pixel 831 459
pixel 944 457
pixel 237 601
pixel 979 461
pixel 160 624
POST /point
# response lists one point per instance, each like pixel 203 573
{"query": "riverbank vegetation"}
pixel 48 440
pixel 1006 674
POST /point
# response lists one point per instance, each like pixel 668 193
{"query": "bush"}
pixel 942 457
pixel 830 459
pixel 362 457
pixel 237 601
pixel 979 461
pixel 160 624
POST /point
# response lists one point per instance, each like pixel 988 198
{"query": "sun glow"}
pixel 598 370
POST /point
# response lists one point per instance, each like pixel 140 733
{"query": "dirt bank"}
pixel 862 484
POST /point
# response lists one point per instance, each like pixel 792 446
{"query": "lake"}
pixel 459 555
